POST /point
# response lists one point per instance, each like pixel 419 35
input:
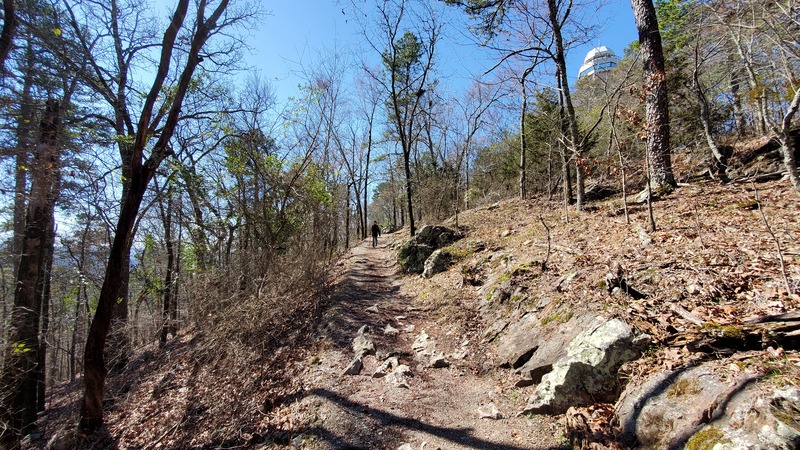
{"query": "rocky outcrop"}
pixel 587 372
pixel 413 254
pixel 436 263
pixel 705 407
pixel 536 341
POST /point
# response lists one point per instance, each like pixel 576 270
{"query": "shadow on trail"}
pixel 368 283
pixel 392 426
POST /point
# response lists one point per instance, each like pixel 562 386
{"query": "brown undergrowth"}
pixel 711 262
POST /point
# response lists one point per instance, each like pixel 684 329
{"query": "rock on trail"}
pixel 376 383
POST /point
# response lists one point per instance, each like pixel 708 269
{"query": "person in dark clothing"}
pixel 376 231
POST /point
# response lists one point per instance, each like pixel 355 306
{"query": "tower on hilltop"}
pixel 598 60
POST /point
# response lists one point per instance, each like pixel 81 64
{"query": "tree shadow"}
pixel 392 428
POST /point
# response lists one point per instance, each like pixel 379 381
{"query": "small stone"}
pixel 355 366
pixel 403 370
pixel 362 345
pixel 643 236
pixel 385 368
pixel 459 355
pixel 524 382
pixel 421 343
pixel 405 446
pixel 390 330
pixel 489 411
pixel 373 308
pixel 438 361
pixel 398 376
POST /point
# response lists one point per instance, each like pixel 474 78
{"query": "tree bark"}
pixel 166 312
pixel 719 156
pixel 523 143
pixel 141 173
pixel 572 121
pixel 736 96
pixel 7 33
pixel 24 135
pixel 22 356
pixel 656 107
pixel 788 142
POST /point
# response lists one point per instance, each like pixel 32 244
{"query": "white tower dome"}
pixel 599 59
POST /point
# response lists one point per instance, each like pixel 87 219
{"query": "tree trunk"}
pixel 22 356
pixel 41 374
pixel 7 34
pixel 656 108
pixel 409 203
pixel 719 156
pixel 738 111
pixel 347 220
pixel 166 312
pixel 94 358
pixel 789 143
pixel 565 172
pixel 523 144
pixel 365 223
pixel 572 121
pixel 24 135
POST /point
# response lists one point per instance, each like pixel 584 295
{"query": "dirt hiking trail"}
pixel 416 406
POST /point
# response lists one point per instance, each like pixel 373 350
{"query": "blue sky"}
pixel 296 32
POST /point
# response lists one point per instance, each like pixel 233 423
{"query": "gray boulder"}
pixel 587 373
pixel 425 348
pixel 436 236
pixel 705 406
pixel 536 341
pixel 436 263
pixel 413 254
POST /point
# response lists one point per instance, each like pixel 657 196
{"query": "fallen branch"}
pixel 681 311
pixel 727 339
pixel 777 244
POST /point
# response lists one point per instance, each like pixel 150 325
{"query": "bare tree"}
pixel 23 355
pixel 659 154
pixel 141 170
pixel 408 58
pixel 782 27
pixel 540 31
pixel 7 33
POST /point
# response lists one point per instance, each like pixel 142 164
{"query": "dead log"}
pixel 776 331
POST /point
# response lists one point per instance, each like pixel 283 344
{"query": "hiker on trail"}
pixel 376 231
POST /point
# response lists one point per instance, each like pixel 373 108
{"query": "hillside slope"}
pixel 712 264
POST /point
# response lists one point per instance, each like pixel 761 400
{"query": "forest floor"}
pixel 272 376
pixel 435 408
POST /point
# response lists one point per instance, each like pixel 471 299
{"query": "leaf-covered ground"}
pixel 713 261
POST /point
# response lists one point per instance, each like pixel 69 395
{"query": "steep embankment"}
pixel 454 345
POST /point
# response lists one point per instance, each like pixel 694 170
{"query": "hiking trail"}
pixel 430 407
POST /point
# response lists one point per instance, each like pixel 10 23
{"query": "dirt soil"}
pixel 268 373
pixel 438 409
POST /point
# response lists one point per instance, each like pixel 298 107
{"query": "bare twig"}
pixel 547 256
pixel 697 226
pixel 649 194
pixel 777 243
